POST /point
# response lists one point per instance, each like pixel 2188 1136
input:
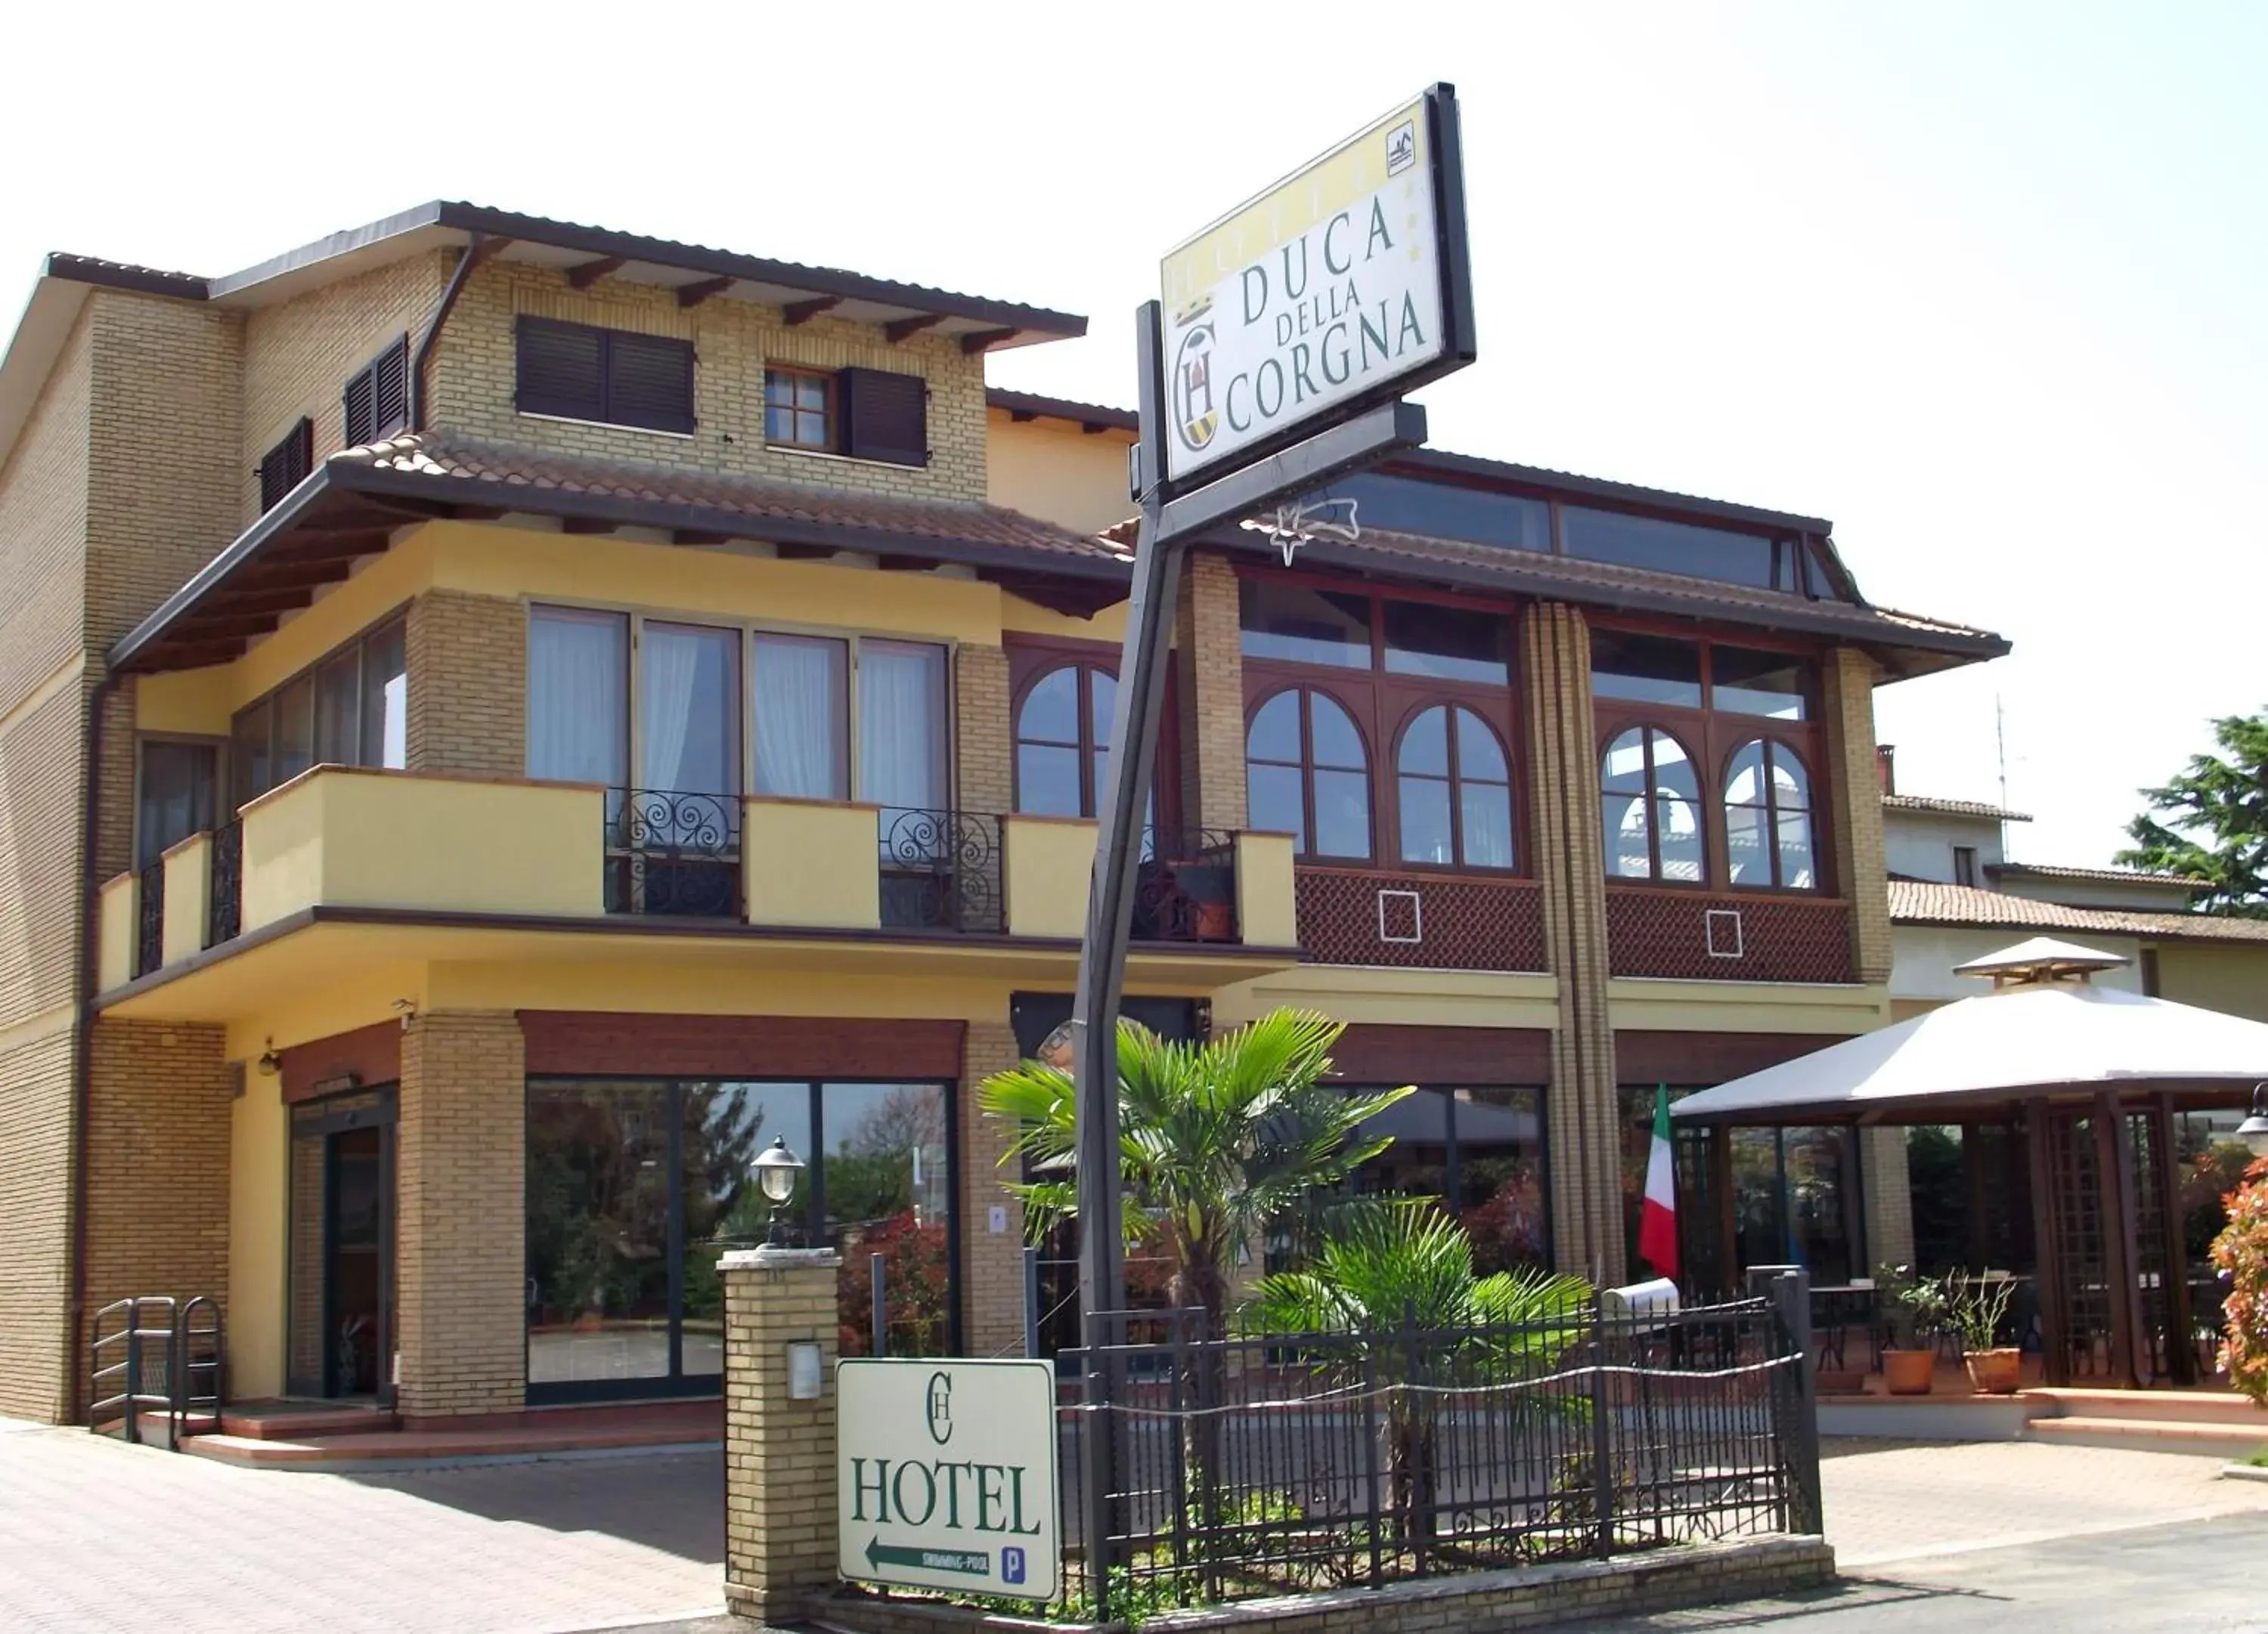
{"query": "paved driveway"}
pixel 95 1534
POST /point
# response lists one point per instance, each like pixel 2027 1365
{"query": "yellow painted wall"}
pixel 1648 1006
pixel 1050 468
pixel 365 838
pixel 1267 899
pixel 258 1231
pixel 1399 997
pixel 809 863
pixel 1049 864
pixel 2213 975
pixel 188 882
pixel 115 932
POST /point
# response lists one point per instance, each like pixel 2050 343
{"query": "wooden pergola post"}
pixel 2181 1350
pixel 2047 1254
pixel 2114 1164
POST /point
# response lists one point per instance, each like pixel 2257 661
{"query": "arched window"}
pixel 1062 741
pixel 1650 805
pixel 1306 774
pixel 1768 839
pixel 1454 791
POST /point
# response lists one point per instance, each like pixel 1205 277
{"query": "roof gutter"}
pixel 471 258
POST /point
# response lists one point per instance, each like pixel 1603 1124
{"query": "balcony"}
pixel 382 847
pixel 1726 936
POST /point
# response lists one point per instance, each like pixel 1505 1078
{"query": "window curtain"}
pixel 578 696
pixel 900 729
pixel 800 717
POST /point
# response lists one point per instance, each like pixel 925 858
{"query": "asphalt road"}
pixel 2207 1577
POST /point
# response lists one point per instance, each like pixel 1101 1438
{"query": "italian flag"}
pixel 1657 1218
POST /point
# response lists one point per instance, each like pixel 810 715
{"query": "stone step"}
pixel 2193 1407
pixel 256 1423
pixel 2149 1435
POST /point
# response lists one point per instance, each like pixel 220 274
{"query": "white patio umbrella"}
pixel 2040 1031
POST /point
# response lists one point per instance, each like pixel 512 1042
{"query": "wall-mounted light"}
pixel 407 1009
pixel 270 1063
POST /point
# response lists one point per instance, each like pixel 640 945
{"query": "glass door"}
pixel 340 1331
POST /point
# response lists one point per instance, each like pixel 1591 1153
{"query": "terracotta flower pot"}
pixel 1994 1373
pixel 1908 1372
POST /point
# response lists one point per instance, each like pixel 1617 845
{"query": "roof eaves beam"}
pixel 694 294
pixel 899 330
pixel 984 339
pixel 797 313
pixel 583 276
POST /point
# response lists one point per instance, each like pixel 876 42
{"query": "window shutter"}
pixel 390 390
pixel 360 415
pixel 885 417
pixel 559 370
pixel 285 466
pixel 649 382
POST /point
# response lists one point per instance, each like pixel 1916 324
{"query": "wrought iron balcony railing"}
pixel 940 870
pixel 669 851
pixel 1185 886
pixel 149 920
pixel 224 905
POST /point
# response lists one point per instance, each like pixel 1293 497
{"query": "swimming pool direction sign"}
pixel 947 1476
pixel 1342 285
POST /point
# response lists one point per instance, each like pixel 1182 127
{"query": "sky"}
pixel 1984 284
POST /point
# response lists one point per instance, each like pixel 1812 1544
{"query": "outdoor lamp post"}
pixel 2254 1131
pixel 776 1168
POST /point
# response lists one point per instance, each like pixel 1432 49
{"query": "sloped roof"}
pixel 1951 808
pixel 2097 876
pixel 1923 901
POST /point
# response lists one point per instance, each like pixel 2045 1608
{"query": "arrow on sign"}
pixel 970 1562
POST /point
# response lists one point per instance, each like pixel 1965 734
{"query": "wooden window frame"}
pixel 1384 702
pixel 1032 657
pixel 1654 875
pixel 1456 779
pixel 1711 737
pixel 360 644
pixel 1306 690
pixel 1771 745
pixel 830 411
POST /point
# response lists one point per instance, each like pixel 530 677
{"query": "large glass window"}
pixel 1454 791
pixel 1775 685
pixel 1650 805
pixel 1667 547
pixel 636 1187
pixel 579 697
pixel 689 709
pixel 1062 741
pixel 901 733
pixel 1768 840
pixel 1300 624
pixel 1646 669
pixel 802 716
pixel 1451 643
pixel 352 709
pixel 1308 775
pixel 176 796
pixel 1480 1150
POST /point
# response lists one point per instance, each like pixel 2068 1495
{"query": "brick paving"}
pixel 1889 1501
pixel 95 1535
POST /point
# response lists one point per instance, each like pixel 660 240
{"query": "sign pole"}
pixel 1102 954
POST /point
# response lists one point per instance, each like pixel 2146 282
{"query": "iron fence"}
pixel 940 870
pixel 1256 1466
pixel 670 851
pixel 224 908
pixel 1185 886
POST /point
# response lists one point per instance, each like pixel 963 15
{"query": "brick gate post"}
pixel 779 1451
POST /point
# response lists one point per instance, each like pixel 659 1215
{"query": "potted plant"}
pixel 1974 1309
pixel 1914 1307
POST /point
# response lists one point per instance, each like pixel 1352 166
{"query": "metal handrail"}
pixel 132 1398
pixel 180 1369
pixel 188 1364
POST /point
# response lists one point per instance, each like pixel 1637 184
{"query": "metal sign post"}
pixel 1216 446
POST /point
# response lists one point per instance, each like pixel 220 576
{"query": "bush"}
pixel 2241 1251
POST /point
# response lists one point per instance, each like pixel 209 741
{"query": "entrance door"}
pixel 342 1309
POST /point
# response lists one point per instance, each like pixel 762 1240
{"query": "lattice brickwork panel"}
pixel 1428 922
pixel 1709 936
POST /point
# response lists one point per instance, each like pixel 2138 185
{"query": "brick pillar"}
pixel 1584 1120
pixel 1888 1195
pixel 467 658
pixel 1209 672
pixel 986 783
pixel 779 1452
pixel 1855 791
pixel 461 1216
pixel 992 1262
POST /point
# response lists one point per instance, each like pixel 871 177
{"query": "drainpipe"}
pixel 82 1055
pixel 465 262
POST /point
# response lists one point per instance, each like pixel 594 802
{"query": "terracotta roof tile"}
pixel 509 466
pixel 1917 901
pixel 2104 876
pixel 1950 808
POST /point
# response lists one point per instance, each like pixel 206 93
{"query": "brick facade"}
pixel 779 1452
pixel 467 658
pixel 1581 1107
pixel 36 1366
pixel 459 1185
pixel 732 340
pixel 1209 669
pixel 1856 800
pixel 992 1262
pixel 982 744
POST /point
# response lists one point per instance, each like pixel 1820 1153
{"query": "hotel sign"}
pixel 1342 285
pixel 947 1476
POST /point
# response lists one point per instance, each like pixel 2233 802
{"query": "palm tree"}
pixel 1217 1142
pixel 1400 1280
